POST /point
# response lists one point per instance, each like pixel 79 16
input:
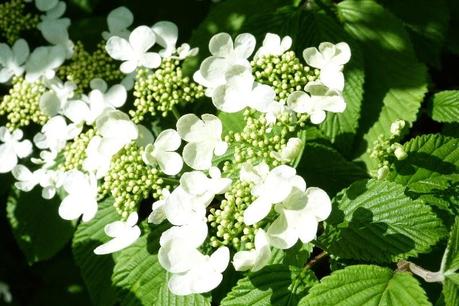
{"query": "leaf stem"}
pixel 426 275
pixel 318 258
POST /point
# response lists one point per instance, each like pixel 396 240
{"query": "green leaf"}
pixel 441 192
pixel 323 166
pixel 429 156
pixel 427 25
pixel 366 285
pixel 85 5
pixel 451 290
pixel 277 285
pixel 451 257
pixel 445 106
pixel 376 222
pixel 95 269
pixel 36 225
pixel 232 122
pixel 395 83
pixel 140 280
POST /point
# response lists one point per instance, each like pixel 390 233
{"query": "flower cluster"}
pixel 229 196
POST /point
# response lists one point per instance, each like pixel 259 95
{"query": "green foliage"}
pixel 429 157
pixel 375 221
pixel 450 266
pixel 427 27
pixel 336 175
pixel 445 106
pixel 139 279
pixel 37 227
pixel 395 83
pixel 366 285
pixel 274 285
pixel 96 270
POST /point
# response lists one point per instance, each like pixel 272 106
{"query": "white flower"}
pixel 54 101
pixel 12 59
pixel 241 91
pixel 158 214
pixel 5 293
pixel 43 62
pixel 134 52
pixel 185 51
pixel 97 158
pixel 197 192
pixel 12 148
pixel 397 127
pixel 274 188
pixel 89 108
pixel 116 129
pixel 204 140
pixel 321 99
pixel 118 21
pixel 163 152
pixel 254 259
pixel 329 59
pixel 273 45
pixel 299 217
pixel 55 29
pixel 179 246
pixel 188 202
pixel 49 180
pixel 123 233
pixel 204 276
pixel 225 54
pixel 290 151
pixel 192 272
pixel 55 134
pixel 81 196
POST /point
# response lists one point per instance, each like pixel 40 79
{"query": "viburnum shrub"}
pixel 276 158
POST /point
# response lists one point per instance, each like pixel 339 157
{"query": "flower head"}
pixel 204 139
pixel 134 52
pixel 329 59
pixel 299 216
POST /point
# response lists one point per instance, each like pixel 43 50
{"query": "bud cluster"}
pixel 130 180
pixel 22 104
pixel 159 91
pixel 14 20
pixel 75 152
pixel 85 66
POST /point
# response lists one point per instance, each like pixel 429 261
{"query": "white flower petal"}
pixel 171 163
pixel 45 5
pixel 50 104
pixel 20 51
pixel 282 236
pixel 119 48
pixel 145 137
pixel 128 66
pixel 318 117
pixel 256 211
pixel 219 259
pixel 318 202
pixel 151 60
pixel 221 44
pixel 168 140
pixel 198 155
pixel 119 19
pixel 116 95
pixel 8 158
pixel 142 39
pixel 120 242
pixel 261 98
pixel 244 44
pixel 166 35
pixel 190 128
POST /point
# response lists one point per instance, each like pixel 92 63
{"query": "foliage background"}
pixel 407 57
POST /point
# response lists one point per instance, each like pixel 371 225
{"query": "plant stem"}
pixel 319 257
pixel 426 275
